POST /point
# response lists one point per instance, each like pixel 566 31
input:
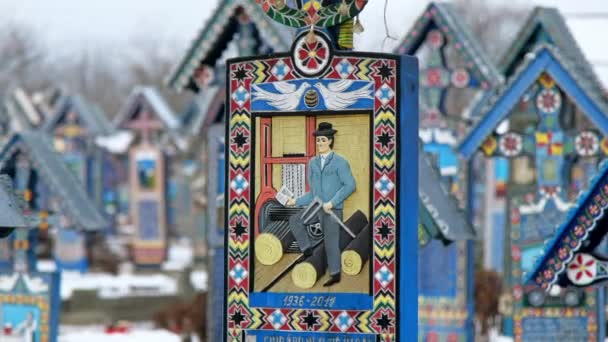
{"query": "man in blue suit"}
pixel 330 179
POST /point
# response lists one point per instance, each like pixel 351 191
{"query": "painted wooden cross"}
pixel 23 241
pixel 146 125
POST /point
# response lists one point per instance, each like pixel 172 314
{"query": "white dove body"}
pixel 288 97
pixel 335 97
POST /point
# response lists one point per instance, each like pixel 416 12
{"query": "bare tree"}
pixel 493 24
pixel 21 56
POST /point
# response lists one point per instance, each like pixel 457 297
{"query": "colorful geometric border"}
pixel 383 72
pixel 520 312
pixel 312 13
pixel 47 300
pixel 581 221
pixel 448 311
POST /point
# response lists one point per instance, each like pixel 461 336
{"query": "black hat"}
pixel 325 129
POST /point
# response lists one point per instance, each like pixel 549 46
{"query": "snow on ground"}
pixel 123 285
pixel 495 337
pixel 179 257
pixel 96 334
pixel 199 279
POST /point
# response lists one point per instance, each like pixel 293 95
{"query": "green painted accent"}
pixel 208 37
pixel 325 17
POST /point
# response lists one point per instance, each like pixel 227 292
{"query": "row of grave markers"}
pixel 534 145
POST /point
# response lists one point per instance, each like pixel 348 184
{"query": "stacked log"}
pixel 270 245
pixel 357 252
pixel 306 273
pixel 276 238
pixel 281 213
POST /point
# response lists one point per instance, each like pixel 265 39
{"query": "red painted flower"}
pixel 548 274
pixel 433 77
pixel 312 54
pixel 515 253
pixel 594 209
pixel 518 292
pixel 586 143
pixel 582 269
pixel 562 253
pixel 548 101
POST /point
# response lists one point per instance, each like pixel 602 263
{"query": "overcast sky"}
pixel 73 25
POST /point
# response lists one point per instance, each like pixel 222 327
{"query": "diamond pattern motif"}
pixel 385 94
pixel 384 276
pixel 344 68
pixel 344 321
pixel 280 70
pixel 277 319
pixel 384 185
pixel 238 273
pixel 239 184
pixel 238 250
pixel 240 96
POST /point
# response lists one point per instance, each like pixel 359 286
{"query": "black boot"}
pixel 333 279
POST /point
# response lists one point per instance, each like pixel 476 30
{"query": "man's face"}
pixel 323 144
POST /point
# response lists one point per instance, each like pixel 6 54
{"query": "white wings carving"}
pixel 288 97
pixel 35 284
pixel 335 96
pixel 7 282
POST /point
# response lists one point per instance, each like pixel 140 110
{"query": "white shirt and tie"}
pixel 324 159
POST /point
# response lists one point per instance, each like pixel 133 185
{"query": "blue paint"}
pixel 443 333
pixel 436 256
pixel 71 241
pixel 284 336
pixel 544 61
pixel 146 173
pixel 323 300
pixel 601 313
pixel 501 169
pixel 15 314
pixel 569 222
pixel 507 326
pixel 503 105
pixel 216 294
pixel 406 214
pixel 447 159
pixel 408 200
pixel 263 105
pixel 555 329
pixel 148 223
pixel 470 321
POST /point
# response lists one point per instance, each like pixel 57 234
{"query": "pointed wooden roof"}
pixel 546 25
pixel 91 116
pixel 149 97
pixel 583 229
pixel 74 201
pixel 211 41
pixel 544 58
pixel 438 210
pixel 11 208
pixel 443 16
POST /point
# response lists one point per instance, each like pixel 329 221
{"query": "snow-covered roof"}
pixel 156 102
pixel 116 143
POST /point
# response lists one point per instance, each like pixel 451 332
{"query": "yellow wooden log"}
pixel 268 249
pixel 304 275
pixel 351 262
